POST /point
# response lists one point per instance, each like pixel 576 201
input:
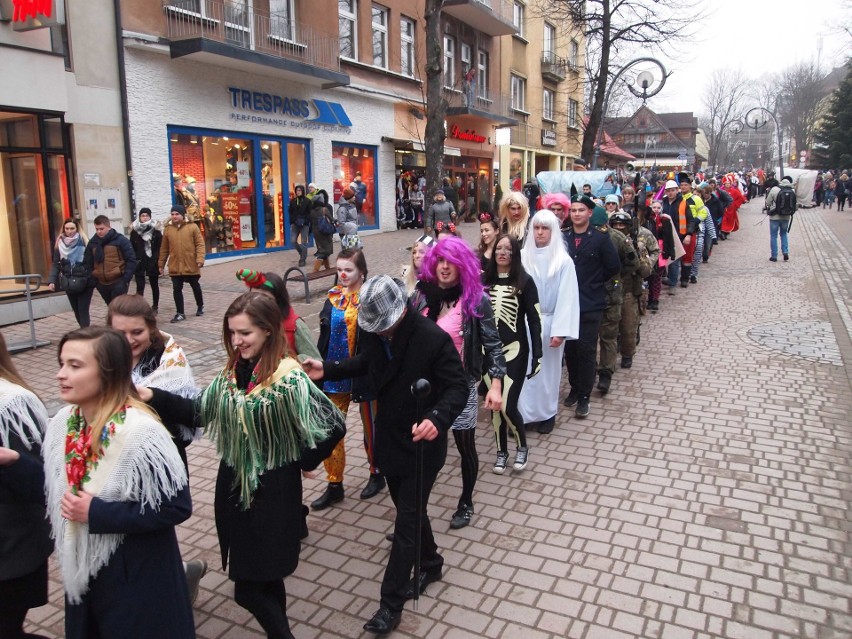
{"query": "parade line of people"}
pixel 104 483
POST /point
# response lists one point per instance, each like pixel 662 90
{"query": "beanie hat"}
pixel 611 199
pixel 599 217
pixel 348 193
pixel 787 178
pixel 179 208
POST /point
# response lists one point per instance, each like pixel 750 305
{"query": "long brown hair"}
pixel 115 363
pixel 263 313
pixel 136 306
pixel 7 367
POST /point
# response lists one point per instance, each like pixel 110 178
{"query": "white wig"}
pixel 544 263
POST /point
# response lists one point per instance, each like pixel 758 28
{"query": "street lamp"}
pixel 644 80
pixel 756 124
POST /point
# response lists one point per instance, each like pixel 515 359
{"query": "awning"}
pixel 415 145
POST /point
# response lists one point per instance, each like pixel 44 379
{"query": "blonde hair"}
pixel 516 229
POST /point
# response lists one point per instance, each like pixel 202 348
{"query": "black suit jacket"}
pixel 418 349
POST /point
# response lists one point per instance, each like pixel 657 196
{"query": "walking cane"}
pixel 420 389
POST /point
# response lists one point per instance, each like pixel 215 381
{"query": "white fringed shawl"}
pixel 140 465
pixel 21 413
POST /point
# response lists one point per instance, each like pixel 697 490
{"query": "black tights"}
pixel 153 278
pixel 267 601
pixel 466 445
pixel 12 624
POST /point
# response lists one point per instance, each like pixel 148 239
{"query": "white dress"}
pixel 559 300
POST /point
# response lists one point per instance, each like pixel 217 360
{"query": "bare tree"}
pixel 723 99
pixel 615 27
pixel 436 104
pixel 800 91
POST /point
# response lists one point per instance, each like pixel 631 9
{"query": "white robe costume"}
pixel 559 301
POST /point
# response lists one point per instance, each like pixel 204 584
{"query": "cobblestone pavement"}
pixel 706 496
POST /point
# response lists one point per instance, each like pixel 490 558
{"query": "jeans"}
pixel 110 291
pixel 674 272
pixel 299 238
pixel 776 227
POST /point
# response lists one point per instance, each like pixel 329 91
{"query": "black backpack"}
pixel 785 202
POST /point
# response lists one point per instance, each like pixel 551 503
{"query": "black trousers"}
pixel 177 290
pixel 154 280
pixel 267 601
pixel 80 303
pixel 580 354
pixel 402 490
pixel 110 291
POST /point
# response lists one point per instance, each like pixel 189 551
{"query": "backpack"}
pixel 324 225
pixel 785 202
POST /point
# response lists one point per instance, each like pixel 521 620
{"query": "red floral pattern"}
pixel 79 458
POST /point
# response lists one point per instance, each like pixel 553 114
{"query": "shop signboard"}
pixel 27 15
pixel 548 137
pixel 231 213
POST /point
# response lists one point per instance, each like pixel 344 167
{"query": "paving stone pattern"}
pixel 706 496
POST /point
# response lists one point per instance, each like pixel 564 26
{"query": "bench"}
pixel 299 274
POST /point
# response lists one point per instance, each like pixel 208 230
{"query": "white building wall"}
pixel 163 92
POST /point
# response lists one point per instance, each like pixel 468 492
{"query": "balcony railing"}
pixel 553 67
pixel 480 103
pixel 491 17
pixel 238 25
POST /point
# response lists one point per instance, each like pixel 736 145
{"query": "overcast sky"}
pixel 758 36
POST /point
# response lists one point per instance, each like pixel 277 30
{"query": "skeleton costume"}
pixel 515 311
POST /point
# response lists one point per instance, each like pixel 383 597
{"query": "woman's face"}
pixel 657 207
pixel 516 212
pixel 542 234
pixel 348 274
pixel 418 252
pixel 447 273
pixel 69 229
pixel 136 331
pixel 503 254
pixel 79 374
pixel 487 233
pixel 247 339
pixel 144 217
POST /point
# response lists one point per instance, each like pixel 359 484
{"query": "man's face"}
pixel 177 218
pixel 580 214
pixel 587 190
pixel 101 229
pixel 671 193
pixel 685 188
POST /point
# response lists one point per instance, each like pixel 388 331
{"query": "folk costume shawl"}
pixel 267 425
pixel 137 462
pixel 21 413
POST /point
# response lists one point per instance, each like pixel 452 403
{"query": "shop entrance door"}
pixel 24 234
pixel 469 196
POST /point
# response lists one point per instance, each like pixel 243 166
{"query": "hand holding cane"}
pixel 420 389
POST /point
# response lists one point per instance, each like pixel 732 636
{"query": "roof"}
pixel 608 145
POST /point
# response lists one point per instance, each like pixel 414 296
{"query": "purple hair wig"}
pixel 456 251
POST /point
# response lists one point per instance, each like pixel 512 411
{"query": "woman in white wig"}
pixel 547 261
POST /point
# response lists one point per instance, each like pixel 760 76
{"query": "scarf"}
pixel 267 425
pixel 146 232
pixel 437 296
pixel 98 244
pixel 21 414
pixel 137 462
pixel 70 248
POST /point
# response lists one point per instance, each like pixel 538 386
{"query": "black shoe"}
pixel 179 317
pixel 693 280
pixel 684 284
pixel 570 400
pixel 773 259
pixel 302 262
pixel 786 257
pixel 333 494
pixel 200 311
pixel 426 577
pixel 194 570
pixel 374 486
pixel 604 382
pixel 461 517
pixel 390 537
pixel 626 362
pixel 582 409
pixel 383 622
pixel 546 426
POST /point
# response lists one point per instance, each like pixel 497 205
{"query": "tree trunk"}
pixel 436 105
pixel 596 113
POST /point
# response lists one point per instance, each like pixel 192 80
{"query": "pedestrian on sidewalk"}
pixel 322 224
pixel 146 238
pixel 300 222
pixel 684 224
pixel 111 260
pixel 401 347
pixel 183 250
pixel 347 220
pixel 842 190
pixel 780 206
pixel 69 262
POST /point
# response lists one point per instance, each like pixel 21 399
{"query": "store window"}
pixel 35 191
pixel 406 38
pixel 236 187
pixel 516 170
pixel 355 167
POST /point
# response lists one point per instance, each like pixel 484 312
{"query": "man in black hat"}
pixel 595 261
pixel 400 347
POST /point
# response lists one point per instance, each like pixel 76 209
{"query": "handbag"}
pixel 74 281
pixel 325 226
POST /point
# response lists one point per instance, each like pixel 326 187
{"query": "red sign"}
pixel 231 213
pixel 467 135
pixel 26 9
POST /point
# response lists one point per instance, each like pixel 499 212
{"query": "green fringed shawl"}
pixel 268 427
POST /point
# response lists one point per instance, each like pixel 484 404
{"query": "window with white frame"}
pixel 519 93
pixel 466 57
pixel 380 36
pixel 281 22
pixel 572 114
pixel 406 38
pixel 547 101
pixel 347 19
pixel 548 44
pixel 518 18
pixel 449 62
pixel 482 74
pixel 573 53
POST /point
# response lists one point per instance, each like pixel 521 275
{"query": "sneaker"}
pixel 200 311
pixel 773 259
pixel 693 280
pixel 570 399
pixel 786 256
pixel 500 464
pixel 179 317
pixel 684 284
pixel 582 409
pixel 521 458
pixel 194 570
pixel 461 517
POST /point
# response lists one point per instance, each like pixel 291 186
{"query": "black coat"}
pixel 419 349
pixel 300 211
pixel 145 264
pixel 595 261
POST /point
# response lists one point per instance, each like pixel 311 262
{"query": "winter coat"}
pixel 110 258
pixel 439 212
pixel 182 248
pixel 145 264
pixel 300 211
pixel 320 207
pixel 347 217
pixel 595 262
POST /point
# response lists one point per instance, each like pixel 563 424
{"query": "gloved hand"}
pixel 535 369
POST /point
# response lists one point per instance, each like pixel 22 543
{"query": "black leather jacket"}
pixel 482 349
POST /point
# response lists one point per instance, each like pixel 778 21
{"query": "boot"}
pixel 317 265
pixel 604 381
pixel 333 494
pixel 326 264
pixel 374 486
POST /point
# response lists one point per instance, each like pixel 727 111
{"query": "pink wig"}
pixel 555 198
pixel 456 251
